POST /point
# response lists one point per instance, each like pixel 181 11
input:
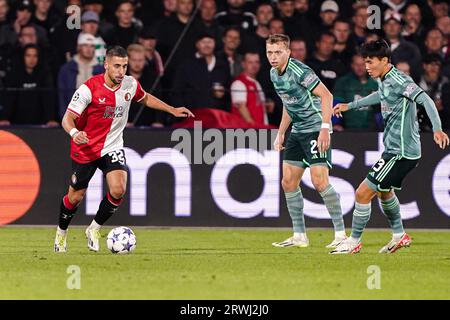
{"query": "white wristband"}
pixel 325 126
pixel 73 132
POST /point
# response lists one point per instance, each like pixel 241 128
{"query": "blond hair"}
pixel 277 38
pixel 135 48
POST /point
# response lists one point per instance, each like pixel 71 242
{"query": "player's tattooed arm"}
pixel 154 103
pixel 326 98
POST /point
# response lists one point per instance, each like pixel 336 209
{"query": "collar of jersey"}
pixel 392 68
pixel 287 66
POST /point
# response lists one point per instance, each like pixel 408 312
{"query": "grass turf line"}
pixel 221 264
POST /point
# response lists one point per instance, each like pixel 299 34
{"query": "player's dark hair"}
pixel 116 51
pixel 376 49
pixel 325 34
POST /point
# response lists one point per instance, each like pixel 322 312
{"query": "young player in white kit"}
pixel 95 120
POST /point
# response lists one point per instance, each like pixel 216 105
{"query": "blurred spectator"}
pixel 89 24
pixel 208 23
pixel 404 67
pixel 264 13
pixel 276 26
pixel 45 15
pixel 9 33
pixel 352 86
pixel 231 41
pixel 434 42
pixel 413 30
pixel 329 11
pixel 327 68
pixel 299 50
pixel 301 6
pixel 397 6
pixel 202 81
pixel 77 71
pixel 247 97
pixel 126 29
pixel 291 22
pixel 4 11
pixel 372 36
pixel 345 45
pixel 140 71
pixel 147 38
pixel 438 88
pixel 443 24
pixel 168 33
pixel 360 24
pixel 236 16
pixel 97 6
pixel 31 100
pixel 440 8
pixel 401 49
pixel 64 40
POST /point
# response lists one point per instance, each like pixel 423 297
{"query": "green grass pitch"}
pixel 192 264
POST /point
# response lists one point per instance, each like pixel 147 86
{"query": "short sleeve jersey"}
pixel 295 86
pixel 103 114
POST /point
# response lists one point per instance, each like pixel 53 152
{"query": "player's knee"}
pixel 361 195
pixel 76 197
pixel 117 191
pixel 319 182
pixel 289 184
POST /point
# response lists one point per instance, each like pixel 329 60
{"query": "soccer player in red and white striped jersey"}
pixel 95 120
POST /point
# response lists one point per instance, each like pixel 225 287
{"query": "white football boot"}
pixel 301 242
pixel 93 236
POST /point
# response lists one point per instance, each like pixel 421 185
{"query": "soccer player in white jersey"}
pixel 95 120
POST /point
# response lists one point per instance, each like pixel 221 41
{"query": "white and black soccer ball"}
pixel 121 240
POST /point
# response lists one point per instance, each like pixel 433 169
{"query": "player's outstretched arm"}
pixel 284 125
pixel 370 100
pixel 68 123
pixel 326 98
pixel 154 103
pixel 440 137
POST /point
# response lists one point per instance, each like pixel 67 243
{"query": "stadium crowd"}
pixel 213 55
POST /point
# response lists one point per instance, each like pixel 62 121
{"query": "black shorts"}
pixel 83 172
pixel 302 151
pixel 388 173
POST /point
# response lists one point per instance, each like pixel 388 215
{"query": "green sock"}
pixel 361 216
pixel 332 202
pixel 294 202
pixel 391 209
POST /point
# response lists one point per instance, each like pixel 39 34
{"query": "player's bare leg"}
pixel 117 183
pixel 320 180
pixel 391 208
pixel 69 206
pixel 361 216
pixel 292 175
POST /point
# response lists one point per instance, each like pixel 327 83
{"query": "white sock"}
pixel 340 234
pixel 61 231
pixel 95 225
pixel 397 236
pixel 299 235
pixel 354 240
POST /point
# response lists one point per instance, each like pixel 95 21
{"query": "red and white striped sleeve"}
pixel 140 93
pixel 80 100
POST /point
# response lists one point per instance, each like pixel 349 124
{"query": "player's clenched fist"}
pixel 80 138
pixel 339 108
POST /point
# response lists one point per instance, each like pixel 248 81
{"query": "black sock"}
pixel 66 214
pixel 106 209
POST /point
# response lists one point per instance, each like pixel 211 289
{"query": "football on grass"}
pixel 121 240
